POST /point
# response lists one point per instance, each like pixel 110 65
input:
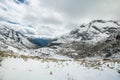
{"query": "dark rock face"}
pixel 118 37
pixel 119 71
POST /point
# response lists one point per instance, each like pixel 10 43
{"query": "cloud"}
pixel 75 10
pixel 59 15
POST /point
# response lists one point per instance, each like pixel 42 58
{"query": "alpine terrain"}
pixel 59 40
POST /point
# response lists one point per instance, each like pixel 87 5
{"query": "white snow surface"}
pixel 18 69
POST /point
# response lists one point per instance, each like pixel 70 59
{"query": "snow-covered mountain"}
pixel 94 31
pixel 99 38
pixel 17 42
pixel 94 40
pixel 14 38
pixel 43 40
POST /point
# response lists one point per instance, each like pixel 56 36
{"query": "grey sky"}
pixel 76 10
pixel 65 14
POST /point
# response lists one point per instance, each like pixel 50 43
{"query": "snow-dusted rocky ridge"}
pixel 99 38
pixel 94 31
pixel 86 53
pixel 14 38
pixel 16 42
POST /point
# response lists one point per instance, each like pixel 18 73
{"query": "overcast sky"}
pixel 75 11
pixel 65 14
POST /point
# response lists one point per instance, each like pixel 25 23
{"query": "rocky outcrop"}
pixel 99 38
pixel 14 38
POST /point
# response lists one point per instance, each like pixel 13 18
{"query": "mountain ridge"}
pixel 99 38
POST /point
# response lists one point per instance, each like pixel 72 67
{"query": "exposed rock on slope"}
pixel 14 39
pixel 15 42
pixel 94 31
pixel 98 38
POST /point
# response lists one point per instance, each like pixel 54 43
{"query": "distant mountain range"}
pixel 99 38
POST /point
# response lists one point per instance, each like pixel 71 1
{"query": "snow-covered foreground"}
pixel 19 69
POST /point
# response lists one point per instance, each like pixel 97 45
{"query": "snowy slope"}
pixel 93 32
pixel 15 42
pixel 99 38
pixel 13 69
pixel 14 38
pixel 58 61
